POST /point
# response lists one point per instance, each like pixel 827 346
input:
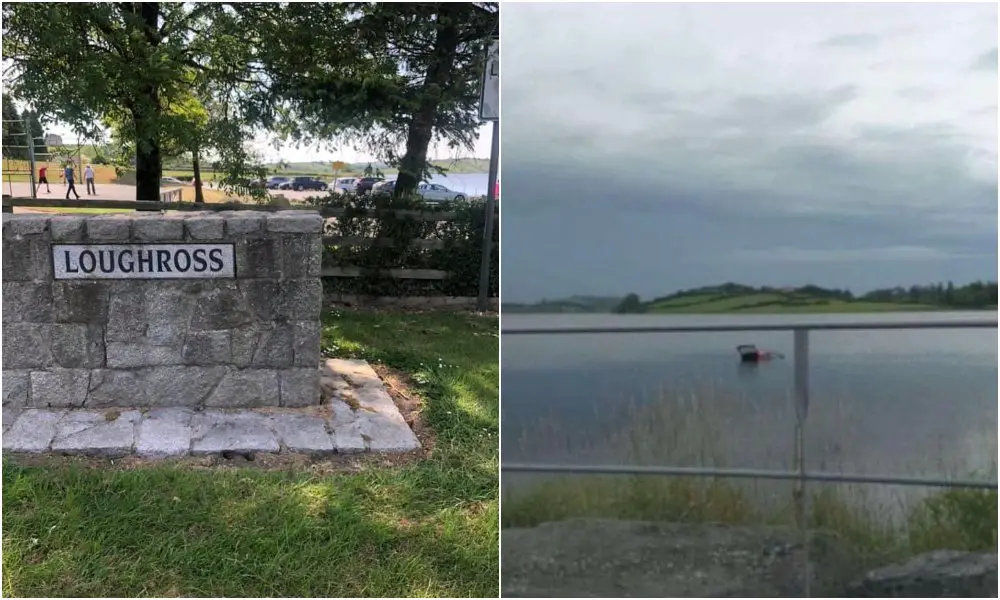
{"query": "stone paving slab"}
pixel 108 433
pixel 307 434
pixel 216 431
pixel 10 414
pixel 165 432
pixel 32 431
pixel 359 416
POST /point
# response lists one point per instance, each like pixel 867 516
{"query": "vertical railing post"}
pixel 30 140
pixel 801 366
pixel 482 301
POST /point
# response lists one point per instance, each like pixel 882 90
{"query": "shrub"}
pixel 460 253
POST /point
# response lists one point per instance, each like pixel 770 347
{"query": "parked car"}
pixel 433 193
pixel 363 185
pixel 274 181
pixel 345 184
pixel 170 181
pixel 303 183
pixel 384 188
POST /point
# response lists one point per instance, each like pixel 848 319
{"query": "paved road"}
pixel 112 191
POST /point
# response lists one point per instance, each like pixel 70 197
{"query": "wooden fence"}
pixel 9 203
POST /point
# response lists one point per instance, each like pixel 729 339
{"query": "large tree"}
pixel 91 64
pixel 390 77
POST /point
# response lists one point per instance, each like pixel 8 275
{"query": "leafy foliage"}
pixel 383 75
pixel 460 254
pixel 134 66
pixel 13 132
pixel 630 304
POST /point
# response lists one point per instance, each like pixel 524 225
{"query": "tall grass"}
pixel 712 428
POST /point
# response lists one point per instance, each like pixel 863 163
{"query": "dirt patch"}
pixel 609 558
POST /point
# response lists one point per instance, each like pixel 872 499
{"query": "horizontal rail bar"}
pixel 746 474
pixel 342 240
pixel 350 271
pixel 986 322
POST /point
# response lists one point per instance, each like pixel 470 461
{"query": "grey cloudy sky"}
pixel 654 147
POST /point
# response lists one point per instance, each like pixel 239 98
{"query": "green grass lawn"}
pixel 426 527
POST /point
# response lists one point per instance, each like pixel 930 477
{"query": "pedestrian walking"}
pixel 42 170
pixel 88 176
pixel 68 175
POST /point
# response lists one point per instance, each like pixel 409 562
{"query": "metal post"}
pixel 482 303
pixel 31 155
pixel 801 413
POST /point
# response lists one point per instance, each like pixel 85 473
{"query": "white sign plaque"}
pixel 489 98
pixel 143 261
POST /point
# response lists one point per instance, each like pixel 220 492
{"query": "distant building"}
pixel 53 140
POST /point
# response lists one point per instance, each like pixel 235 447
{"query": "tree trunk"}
pixel 421 129
pixel 196 165
pixel 148 169
pixel 146 116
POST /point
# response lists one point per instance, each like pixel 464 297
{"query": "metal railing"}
pixel 800 475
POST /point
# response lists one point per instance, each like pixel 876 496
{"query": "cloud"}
pixel 890 253
pixel 858 40
pixel 656 152
pixel 987 61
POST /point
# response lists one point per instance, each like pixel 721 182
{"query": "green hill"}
pixel 573 304
pixel 731 298
pixel 773 302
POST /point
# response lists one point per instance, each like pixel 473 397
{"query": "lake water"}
pixel 471 184
pixel 903 402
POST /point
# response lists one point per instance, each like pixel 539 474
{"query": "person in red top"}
pixel 42 179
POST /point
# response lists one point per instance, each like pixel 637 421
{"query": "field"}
pixel 771 303
pixel 423 526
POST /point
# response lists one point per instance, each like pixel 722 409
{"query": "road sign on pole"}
pixel 489 96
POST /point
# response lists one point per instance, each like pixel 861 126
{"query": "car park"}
pixel 274 181
pixel 345 184
pixel 384 188
pixel 434 193
pixel 303 183
pixel 363 185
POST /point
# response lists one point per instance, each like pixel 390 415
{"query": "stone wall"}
pixel 246 339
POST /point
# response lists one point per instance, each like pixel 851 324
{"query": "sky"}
pixel 649 148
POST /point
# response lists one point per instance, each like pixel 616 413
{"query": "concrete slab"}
pixel 387 433
pixel 302 433
pixel 357 372
pixel 246 431
pixel 108 433
pixel 32 431
pixel 346 426
pixel 381 424
pixel 364 418
pixel 165 432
